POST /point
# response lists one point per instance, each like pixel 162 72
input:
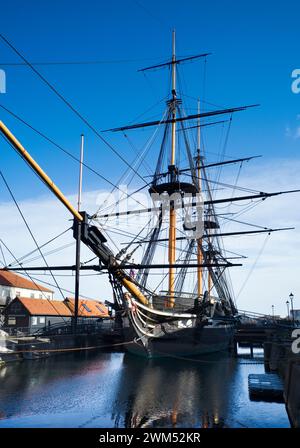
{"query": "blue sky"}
pixel 255 48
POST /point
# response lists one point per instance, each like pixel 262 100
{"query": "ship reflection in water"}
pixel 181 393
pixel 117 390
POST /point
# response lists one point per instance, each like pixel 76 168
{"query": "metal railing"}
pixel 60 329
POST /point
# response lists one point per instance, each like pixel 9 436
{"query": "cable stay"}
pixel 28 228
pixel 69 105
pixel 40 247
pixel 68 153
pixel 33 280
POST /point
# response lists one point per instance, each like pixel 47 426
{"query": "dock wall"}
pixel 280 358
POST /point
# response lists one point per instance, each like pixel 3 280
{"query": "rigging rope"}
pixel 51 252
pixel 43 245
pixel 69 105
pixel 47 283
pixel 254 264
pixel 3 256
pixel 33 281
pixel 68 153
pixel 29 229
pixel 149 143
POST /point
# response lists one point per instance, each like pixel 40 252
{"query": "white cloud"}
pixel 288 131
pixel 293 132
pixel 297 133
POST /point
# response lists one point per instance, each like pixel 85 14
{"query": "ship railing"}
pixel 161 303
pixel 182 302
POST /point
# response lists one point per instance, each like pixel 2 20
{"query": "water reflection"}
pixel 168 393
pixel 117 390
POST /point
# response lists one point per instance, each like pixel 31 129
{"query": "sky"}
pixel 255 48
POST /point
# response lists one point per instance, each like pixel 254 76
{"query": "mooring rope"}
pixel 72 349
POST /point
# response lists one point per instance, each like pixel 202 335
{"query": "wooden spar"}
pixel 177 61
pixel 172 213
pixel 210 165
pixel 226 162
pixel 99 268
pixel 199 241
pixel 194 203
pixel 189 117
pixel 123 278
pixel 214 235
pixel 34 165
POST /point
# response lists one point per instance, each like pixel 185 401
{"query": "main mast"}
pixel 172 229
pixel 199 245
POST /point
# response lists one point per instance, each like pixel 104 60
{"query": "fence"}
pixel 58 328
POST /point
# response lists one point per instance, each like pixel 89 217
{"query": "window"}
pixel 42 320
pixel 11 321
pixel 100 309
pixel 34 320
pixel 32 296
pixel 18 294
pixel 86 308
pixel 48 296
pixel 40 296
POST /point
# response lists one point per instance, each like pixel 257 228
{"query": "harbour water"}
pixel 120 390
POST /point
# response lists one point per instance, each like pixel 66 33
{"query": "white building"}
pixel 13 285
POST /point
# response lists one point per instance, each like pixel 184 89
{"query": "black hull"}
pixel 187 342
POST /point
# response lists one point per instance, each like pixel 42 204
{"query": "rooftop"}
pixel 42 307
pixel 11 279
pixel 88 308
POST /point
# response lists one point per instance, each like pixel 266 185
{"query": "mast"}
pixel 209 252
pixel 80 173
pixel 199 245
pixel 78 240
pixel 172 229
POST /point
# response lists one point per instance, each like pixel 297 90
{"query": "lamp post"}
pixel 291 296
pixel 288 308
pixel 273 311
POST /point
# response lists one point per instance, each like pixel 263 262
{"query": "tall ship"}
pixel 177 299
pixel 178 313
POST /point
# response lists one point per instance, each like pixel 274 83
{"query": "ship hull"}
pixel 188 342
